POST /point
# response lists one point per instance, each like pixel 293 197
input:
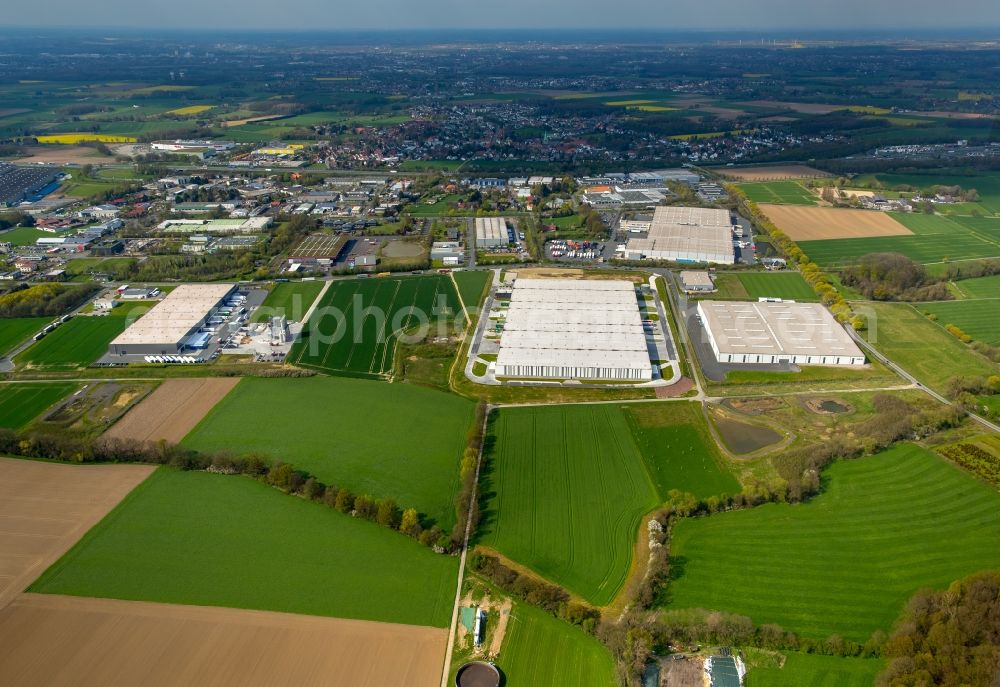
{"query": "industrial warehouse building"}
pixel 777 332
pixel 573 329
pixel 491 232
pixel 173 324
pixel 686 234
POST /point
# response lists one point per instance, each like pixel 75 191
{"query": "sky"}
pixel 719 15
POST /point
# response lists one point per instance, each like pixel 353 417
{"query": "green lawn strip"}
pixel 290 299
pixel 472 286
pixel 218 540
pixel 980 319
pixel 810 670
pixel 385 440
pixel 679 451
pixel 564 492
pixel 921 347
pixel 847 561
pixel 15 330
pixel 22 403
pixel 542 651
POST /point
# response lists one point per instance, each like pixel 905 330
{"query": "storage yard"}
pixel 686 234
pixel 571 329
pixel 772 333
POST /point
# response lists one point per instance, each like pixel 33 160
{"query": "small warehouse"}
pixel 697 282
pixel 491 232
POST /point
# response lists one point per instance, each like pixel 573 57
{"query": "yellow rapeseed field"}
pixel 73 139
pixel 190 110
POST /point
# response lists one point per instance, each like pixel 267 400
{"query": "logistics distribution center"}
pixel 573 329
pixel 172 325
pixel 777 332
pixel 686 234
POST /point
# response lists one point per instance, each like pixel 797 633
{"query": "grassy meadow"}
pixel 22 403
pixel 15 330
pixel 801 670
pixel 291 299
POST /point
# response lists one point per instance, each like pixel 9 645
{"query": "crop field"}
pixel 980 287
pixel 173 410
pixel 754 285
pixel 847 561
pixel 780 193
pixel 26 236
pixel 355 329
pixel 46 507
pixel 385 440
pixel 22 403
pixel 73 139
pixel 771 172
pixel 980 319
pixel 680 454
pixel 921 347
pixel 291 299
pixel 44 638
pixel 15 330
pixel 570 490
pixel 815 223
pixel 222 540
pixel 76 343
pixel 190 110
pixel 541 651
pixel 811 670
pixel 472 286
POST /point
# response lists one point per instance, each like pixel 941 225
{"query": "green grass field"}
pixel 76 343
pixel 809 670
pixel 921 347
pixel 22 403
pixel 935 239
pixel 26 236
pixel 980 287
pixel 567 486
pixel 541 651
pixel 386 440
pixel 987 184
pixel 780 192
pixel 472 286
pixel 290 299
pixel 754 285
pixel 980 319
pixel 848 561
pixel 217 540
pixel 15 330
pixel 354 331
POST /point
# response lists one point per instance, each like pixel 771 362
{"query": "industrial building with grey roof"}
pixel 686 234
pixel 573 329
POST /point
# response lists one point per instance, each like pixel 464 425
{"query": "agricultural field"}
pixel 173 410
pixel 472 286
pixel 190 110
pixel 291 299
pixel 814 670
pixel 921 347
pixel 848 560
pixel 815 223
pixel 979 287
pixel 355 330
pixel 44 638
pixel 77 343
pixel 980 319
pixel 768 173
pixel 47 507
pixel 353 433
pixel 541 651
pixel 26 236
pixel 780 193
pixel 224 540
pixel 570 485
pixel 75 138
pixel 754 285
pixel 15 330
pixel 22 403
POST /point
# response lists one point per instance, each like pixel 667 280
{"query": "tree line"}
pixel 44 300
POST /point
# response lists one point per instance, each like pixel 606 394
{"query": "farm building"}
pixel 572 329
pixel 686 234
pixel 491 232
pixel 172 324
pixel 777 332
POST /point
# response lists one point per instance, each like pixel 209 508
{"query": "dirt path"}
pixel 173 410
pixel 46 507
pixel 59 640
pixel 501 629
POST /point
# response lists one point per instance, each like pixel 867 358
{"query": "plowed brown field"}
pixel 46 507
pixel 173 410
pixel 60 640
pixel 803 223
pixel 771 173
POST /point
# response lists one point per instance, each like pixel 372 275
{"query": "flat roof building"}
pixel 573 329
pixel 693 282
pixel 491 232
pixel 777 332
pixel 686 234
pixel 170 324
